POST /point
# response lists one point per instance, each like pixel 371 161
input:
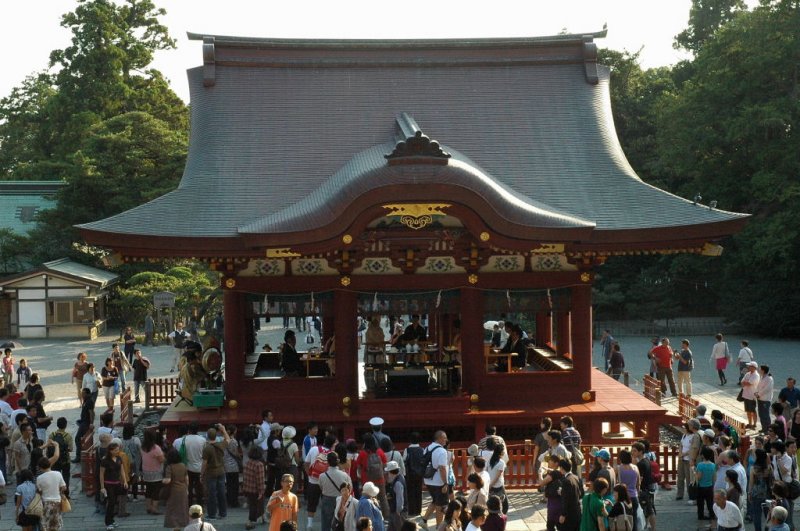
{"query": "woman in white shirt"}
pixel 721 355
pixel 497 468
pixel 90 381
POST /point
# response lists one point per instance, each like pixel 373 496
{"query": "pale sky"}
pixel 29 29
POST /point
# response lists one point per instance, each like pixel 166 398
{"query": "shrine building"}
pixel 467 181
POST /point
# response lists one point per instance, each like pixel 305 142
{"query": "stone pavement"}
pixel 53 360
pixel 527 513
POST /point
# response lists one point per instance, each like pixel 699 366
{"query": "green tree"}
pixel 12 251
pixel 730 133
pixel 705 18
pixel 104 73
pixel 192 284
pixel 22 117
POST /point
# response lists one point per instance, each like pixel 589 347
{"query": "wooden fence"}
pixel 125 408
pixel 522 471
pixel 652 389
pixel 687 407
pixel 159 392
pixel 88 462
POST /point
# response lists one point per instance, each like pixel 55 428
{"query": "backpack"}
pixel 63 455
pixel 429 471
pixel 320 464
pixel 374 467
pixel 655 471
pixel 283 459
pixel 415 461
pixel 734 435
pixel 182 451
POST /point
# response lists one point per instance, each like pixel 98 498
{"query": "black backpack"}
pixel 415 461
pixel 63 455
pixel 429 471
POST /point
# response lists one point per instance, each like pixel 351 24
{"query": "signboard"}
pixel 164 299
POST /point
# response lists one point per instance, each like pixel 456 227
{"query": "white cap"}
pixel 752 364
pixel 370 489
pixel 376 421
pixel 392 465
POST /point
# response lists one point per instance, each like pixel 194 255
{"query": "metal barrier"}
pixel 159 392
pixel 652 389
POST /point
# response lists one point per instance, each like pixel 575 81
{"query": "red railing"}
pixel 88 462
pixel 687 407
pixel 125 408
pixel 652 389
pixel 159 392
pixel 522 472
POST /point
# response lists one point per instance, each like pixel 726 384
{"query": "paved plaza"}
pixel 53 360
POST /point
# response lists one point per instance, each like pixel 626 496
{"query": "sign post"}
pixel 163 299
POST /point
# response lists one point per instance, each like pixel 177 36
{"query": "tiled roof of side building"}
pixel 278 119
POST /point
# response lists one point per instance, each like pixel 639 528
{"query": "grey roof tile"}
pixel 267 139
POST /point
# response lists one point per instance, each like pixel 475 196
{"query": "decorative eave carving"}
pixel 414 147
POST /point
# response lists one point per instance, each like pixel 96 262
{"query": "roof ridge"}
pixel 267 42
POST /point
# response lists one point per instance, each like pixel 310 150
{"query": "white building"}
pixel 61 298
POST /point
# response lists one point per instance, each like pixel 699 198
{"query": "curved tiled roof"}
pixel 368 171
pixel 278 126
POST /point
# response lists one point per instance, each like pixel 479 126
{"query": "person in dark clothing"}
pixel 84 423
pixel 140 365
pixel 571 494
pixel 290 359
pixel 415 468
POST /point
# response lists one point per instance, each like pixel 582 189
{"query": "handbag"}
pixel 66 506
pixel 35 507
pixel 739 397
pixel 622 522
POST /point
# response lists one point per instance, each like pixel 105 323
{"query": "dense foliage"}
pixel 110 126
pixel 723 125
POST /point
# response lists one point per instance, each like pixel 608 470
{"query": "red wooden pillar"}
pixel 344 328
pixel 564 334
pixel 235 331
pixel 582 336
pixel 544 329
pixel 473 364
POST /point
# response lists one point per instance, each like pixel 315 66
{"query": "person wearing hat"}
pixel 368 506
pixel 287 460
pixel 396 495
pixel 603 468
pixel 690 448
pixel 377 430
pixel 330 484
pixel 196 523
pixel 749 383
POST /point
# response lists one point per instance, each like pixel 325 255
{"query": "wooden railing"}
pixel 125 408
pixel 521 471
pixel 88 462
pixel 159 392
pixel 687 407
pixel 652 389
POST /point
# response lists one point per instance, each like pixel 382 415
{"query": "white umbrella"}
pixel 489 325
